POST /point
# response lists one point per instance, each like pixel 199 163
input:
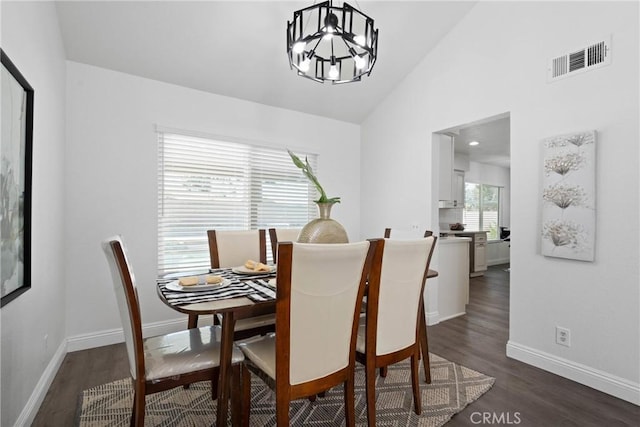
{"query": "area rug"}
pixel 452 388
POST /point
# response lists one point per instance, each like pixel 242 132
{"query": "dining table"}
pixel 242 296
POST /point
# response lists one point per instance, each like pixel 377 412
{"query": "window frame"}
pixel 243 179
pixel 481 211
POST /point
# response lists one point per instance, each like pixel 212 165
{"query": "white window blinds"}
pixel 206 184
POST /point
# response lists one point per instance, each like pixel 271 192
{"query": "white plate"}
pixel 244 270
pixel 175 286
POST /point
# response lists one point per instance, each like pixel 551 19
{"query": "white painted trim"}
pixel 599 380
pixel 114 336
pixel 498 261
pixel 32 406
pixel 433 318
pixel 462 313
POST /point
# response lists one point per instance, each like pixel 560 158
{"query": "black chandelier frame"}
pixel 341 48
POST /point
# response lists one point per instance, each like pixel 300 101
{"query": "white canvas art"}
pixel 569 196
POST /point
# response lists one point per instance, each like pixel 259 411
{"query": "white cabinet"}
pixel 451 185
pixel 458 188
pixel 453 278
pixel 445 165
pixel 480 257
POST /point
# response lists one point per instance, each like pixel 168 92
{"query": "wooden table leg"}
pixel 226 350
pixel 424 344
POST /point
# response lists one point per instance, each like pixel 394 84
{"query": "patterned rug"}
pixel 452 388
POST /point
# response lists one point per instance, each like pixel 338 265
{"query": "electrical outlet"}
pixel 414 227
pixel 563 336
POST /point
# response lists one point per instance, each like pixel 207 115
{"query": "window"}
pixel 206 183
pixel 481 208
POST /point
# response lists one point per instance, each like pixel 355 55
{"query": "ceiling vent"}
pixel 595 55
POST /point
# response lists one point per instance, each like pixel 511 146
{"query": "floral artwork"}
pixel 568 196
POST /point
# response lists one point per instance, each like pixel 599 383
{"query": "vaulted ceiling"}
pixel 237 48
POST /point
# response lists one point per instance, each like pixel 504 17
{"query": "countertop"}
pixel 460 232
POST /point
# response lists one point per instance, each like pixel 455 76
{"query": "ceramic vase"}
pixel 323 229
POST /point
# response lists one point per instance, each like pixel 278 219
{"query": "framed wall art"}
pixel 569 196
pixel 16 145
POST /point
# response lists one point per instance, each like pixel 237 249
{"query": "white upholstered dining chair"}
pixel 319 293
pixel 232 248
pixel 282 235
pixel 389 333
pixel 166 361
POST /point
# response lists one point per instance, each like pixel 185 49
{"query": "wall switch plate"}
pixel 563 336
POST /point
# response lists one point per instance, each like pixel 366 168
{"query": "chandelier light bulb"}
pixel 360 62
pixel 333 72
pixel 298 47
pixel 359 39
pixel 304 65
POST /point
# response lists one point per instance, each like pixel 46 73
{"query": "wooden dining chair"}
pixel 282 235
pixel 166 361
pixel 232 248
pixel 424 341
pixel 390 331
pixel 319 292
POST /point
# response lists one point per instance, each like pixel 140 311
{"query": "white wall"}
pixel 111 178
pixel 31 39
pixel 494 62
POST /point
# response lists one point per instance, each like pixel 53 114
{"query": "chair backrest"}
pixel 282 235
pixel 232 248
pixel 396 285
pixel 124 286
pixel 319 295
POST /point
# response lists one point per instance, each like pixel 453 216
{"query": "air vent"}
pixel 595 55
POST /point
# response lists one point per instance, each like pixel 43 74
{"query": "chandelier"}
pixel 331 43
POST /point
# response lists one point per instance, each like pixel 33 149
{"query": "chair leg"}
pixel 424 346
pixel 137 415
pixel 349 402
pixel 415 381
pixel 282 411
pixel 370 382
pixel 383 372
pixel 240 395
pixel 214 386
pixel 245 377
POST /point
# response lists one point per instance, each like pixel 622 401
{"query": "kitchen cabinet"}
pixel 477 250
pixel 453 278
pixel 478 254
pixel 445 167
pixel 458 188
pixel 451 184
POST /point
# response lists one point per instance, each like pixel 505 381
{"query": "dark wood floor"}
pixel 522 395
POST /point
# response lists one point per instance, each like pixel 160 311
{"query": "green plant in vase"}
pixel 308 172
pixel 323 229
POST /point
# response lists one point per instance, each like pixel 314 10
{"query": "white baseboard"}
pixel 498 261
pixel 115 336
pixel 451 316
pixel 32 406
pixel 599 380
pixel 433 318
